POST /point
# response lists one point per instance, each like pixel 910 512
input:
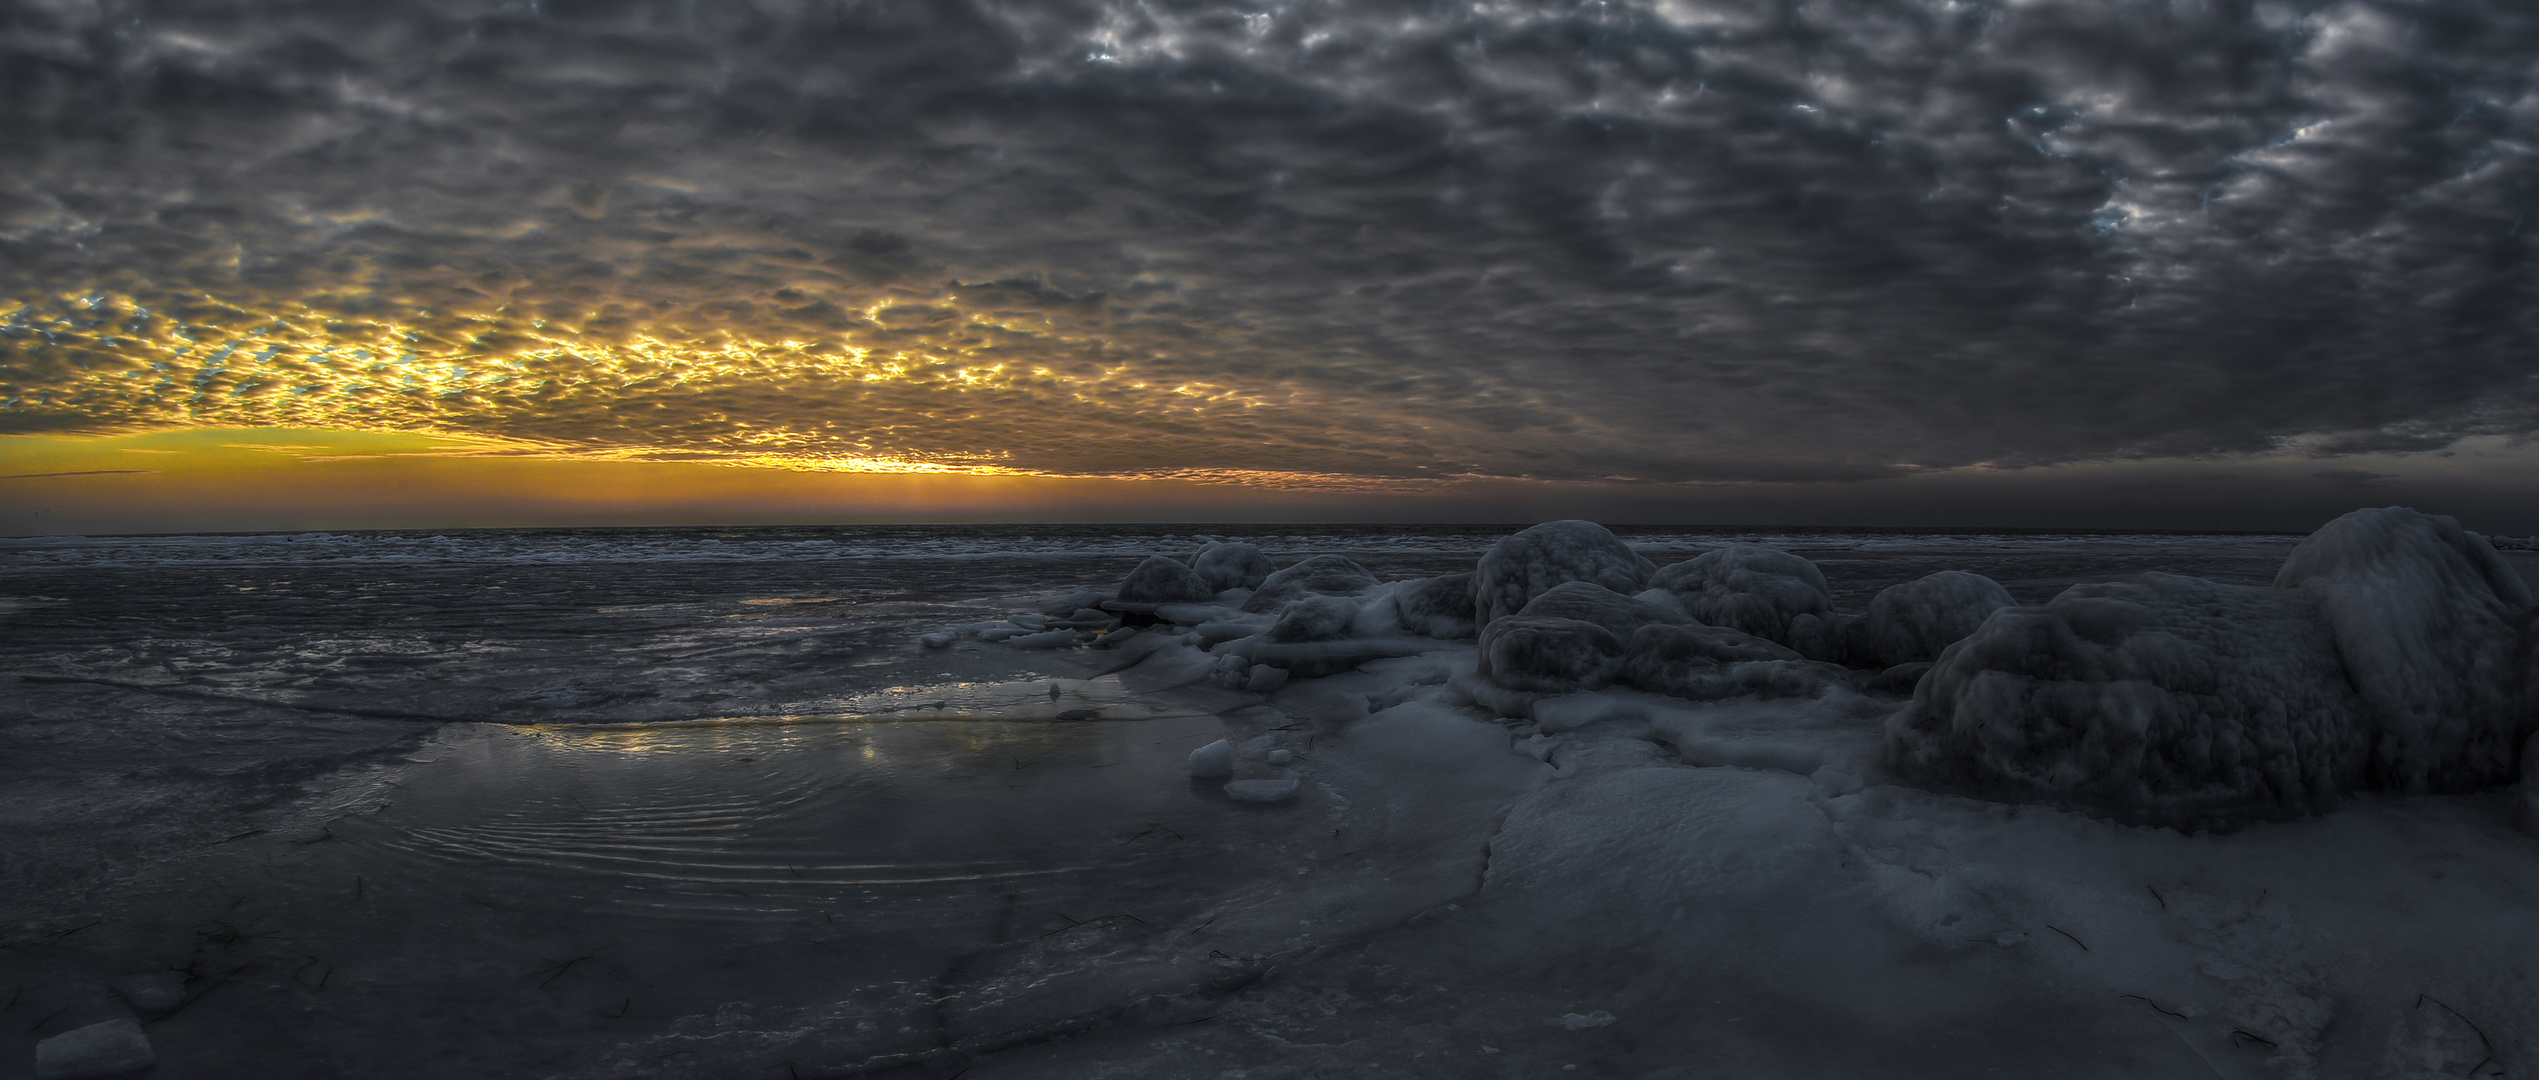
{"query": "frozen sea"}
pixel 696 803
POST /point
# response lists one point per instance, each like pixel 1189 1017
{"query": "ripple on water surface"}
pixel 935 819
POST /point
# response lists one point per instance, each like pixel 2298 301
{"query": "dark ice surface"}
pixel 690 802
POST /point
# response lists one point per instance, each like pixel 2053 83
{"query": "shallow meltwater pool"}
pixel 689 898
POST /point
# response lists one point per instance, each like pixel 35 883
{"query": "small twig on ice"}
pixel 2068 934
pixel 2155 1006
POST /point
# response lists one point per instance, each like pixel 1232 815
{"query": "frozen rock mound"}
pixel 2429 622
pixel 1912 622
pixel 1160 580
pixel 1548 655
pixel 1231 565
pixel 1524 566
pixel 1438 607
pixel 1708 663
pixel 1321 575
pixel 1749 587
pixel 2160 700
pixel 1604 607
pixel 1315 619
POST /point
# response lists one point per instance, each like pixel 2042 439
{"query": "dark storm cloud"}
pixel 1662 241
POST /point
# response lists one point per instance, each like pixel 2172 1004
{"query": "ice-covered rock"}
pixel 1321 575
pixel 1825 636
pixel 1263 678
pixel 1439 607
pixel 1228 564
pixel 2157 700
pixel 1516 570
pixel 1160 580
pixel 1706 663
pixel 1915 620
pixel 1900 678
pixel 1749 587
pixel 115 1046
pixel 1313 618
pixel 1549 655
pixel 2429 621
pixel 939 640
pixel 1262 791
pixel 1589 602
pixel 1213 760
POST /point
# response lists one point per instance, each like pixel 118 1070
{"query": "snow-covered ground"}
pixel 715 805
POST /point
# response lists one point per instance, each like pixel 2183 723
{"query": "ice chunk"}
pixel 1900 679
pixel 1321 575
pixel 1262 791
pixel 1588 602
pixel 2428 620
pixel 1313 618
pixel 1440 607
pixel 1915 620
pixel 1212 760
pixel 1049 639
pixel 1583 1021
pixel 105 1049
pixel 994 631
pixel 1747 587
pixel 1033 622
pixel 1516 570
pixel 1281 757
pixel 1556 656
pixel 1160 580
pixel 941 640
pixel 1117 638
pixel 1705 663
pixel 2159 700
pixel 153 993
pixel 1826 636
pixel 1231 565
pixel 1081 598
pixel 1264 678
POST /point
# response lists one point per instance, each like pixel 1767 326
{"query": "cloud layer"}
pixel 1339 243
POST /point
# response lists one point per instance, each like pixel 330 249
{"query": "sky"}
pixel 2100 263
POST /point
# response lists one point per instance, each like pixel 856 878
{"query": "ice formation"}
pixel 2389 656
pixel 1587 602
pixel 1915 620
pixel 103 1049
pixel 1162 580
pixel 2161 700
pixel 2430 623
pixel 1748 587
pixel 1321 575
pixel 1438 607
pixel 1518 569
pixel 1547 654
pixel 1231 565
pixel 1213 760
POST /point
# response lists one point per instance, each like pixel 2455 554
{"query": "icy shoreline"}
pixel 1468 879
